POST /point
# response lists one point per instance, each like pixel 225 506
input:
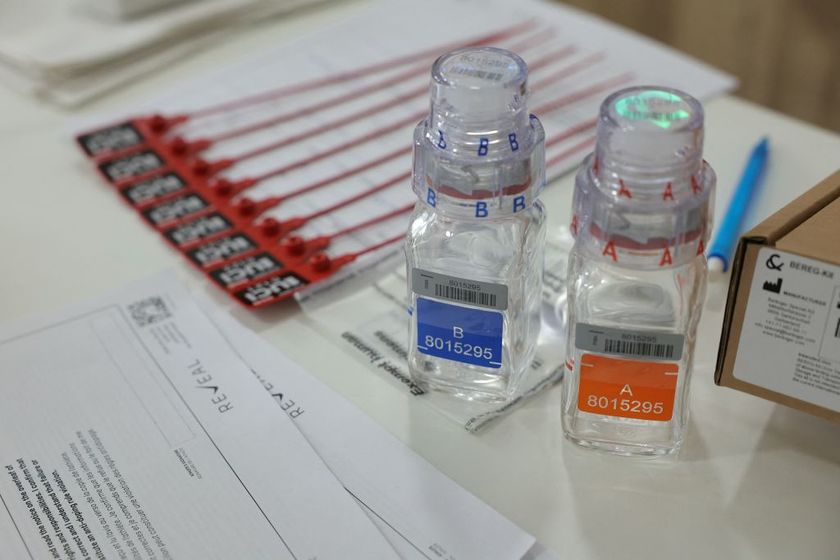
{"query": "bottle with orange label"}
pixel 641 217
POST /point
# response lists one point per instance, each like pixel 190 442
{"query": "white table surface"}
pixel 754 480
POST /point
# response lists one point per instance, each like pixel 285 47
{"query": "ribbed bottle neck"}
pixel 644 183
pixel 479 155
pixel 471 187
pixel 643 223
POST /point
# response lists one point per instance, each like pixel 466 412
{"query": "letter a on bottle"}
pixel 610 250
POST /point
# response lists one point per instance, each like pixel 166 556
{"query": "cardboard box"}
pixel 781 330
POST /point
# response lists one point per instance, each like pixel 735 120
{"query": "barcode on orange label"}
pixel 613 346
pixel 629 343
pixel 627 388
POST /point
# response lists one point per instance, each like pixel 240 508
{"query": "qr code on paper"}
pixel 149 311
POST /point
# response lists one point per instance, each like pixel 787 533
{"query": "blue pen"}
pixel 730 229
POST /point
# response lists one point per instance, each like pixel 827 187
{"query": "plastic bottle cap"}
pixel 479 141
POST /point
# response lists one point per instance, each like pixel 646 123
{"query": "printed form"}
pixel 424 514
pixel 128 429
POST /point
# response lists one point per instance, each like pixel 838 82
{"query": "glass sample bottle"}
pixel 642 214
pixel 474 247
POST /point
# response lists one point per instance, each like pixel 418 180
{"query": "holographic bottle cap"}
pixel 644 197
pixel 649 131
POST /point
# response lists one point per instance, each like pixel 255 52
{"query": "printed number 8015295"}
pixel 463 348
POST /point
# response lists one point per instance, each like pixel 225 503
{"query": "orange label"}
pixel 627 388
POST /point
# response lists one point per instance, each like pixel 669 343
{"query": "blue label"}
pixel 461 334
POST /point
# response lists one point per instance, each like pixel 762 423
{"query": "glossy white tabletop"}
pixel 754 480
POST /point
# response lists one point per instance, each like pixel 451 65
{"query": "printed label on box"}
pixel 628 388
pixel 790 338
pixel 458 333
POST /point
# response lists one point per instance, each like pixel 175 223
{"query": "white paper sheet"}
pixel 129 429
pixel 424 514
pixel 57 37
pixel 66 55
pixel 77 89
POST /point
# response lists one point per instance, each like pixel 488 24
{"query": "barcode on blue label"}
pixel 629 343
pixel 459 290
pixel 455 293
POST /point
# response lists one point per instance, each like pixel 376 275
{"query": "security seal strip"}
pixel 226 234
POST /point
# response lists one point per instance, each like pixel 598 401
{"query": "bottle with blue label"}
pixel 474 248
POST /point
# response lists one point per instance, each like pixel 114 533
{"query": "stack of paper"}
pixel 65 54
pixel 138 425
